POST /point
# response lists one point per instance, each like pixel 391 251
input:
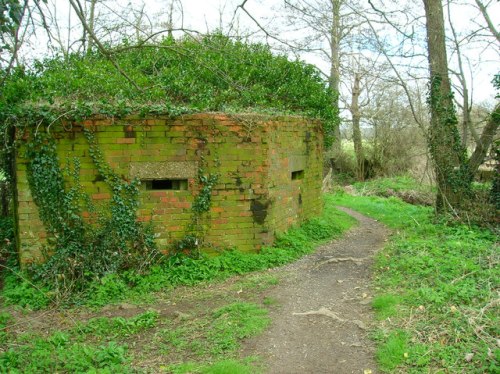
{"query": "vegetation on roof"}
pixel 209 73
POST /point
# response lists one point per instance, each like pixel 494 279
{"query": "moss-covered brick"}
pixel 253 166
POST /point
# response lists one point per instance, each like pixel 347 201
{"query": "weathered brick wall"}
pixel 295 173
pixel 253 155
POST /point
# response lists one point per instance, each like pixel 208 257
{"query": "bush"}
pixel 210 73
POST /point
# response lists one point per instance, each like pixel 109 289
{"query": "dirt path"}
pixel 321 322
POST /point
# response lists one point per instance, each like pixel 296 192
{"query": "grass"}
pixel 110 328
pixel 183 270
pixel 404 187
pixel 385 305
pixel 399 183
pixel 204 339
pixel 438 291
pixel 101 344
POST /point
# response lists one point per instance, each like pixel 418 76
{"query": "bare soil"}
pixel 320 310
pixel 323 315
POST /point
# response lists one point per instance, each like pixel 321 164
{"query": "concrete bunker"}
pixel 269 175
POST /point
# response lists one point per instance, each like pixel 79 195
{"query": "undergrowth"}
pixel 107 345
pixel 404 187
pixel 205 341
pixel 184 270
pixel 438 287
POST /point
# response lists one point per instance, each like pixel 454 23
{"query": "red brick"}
pixel 158 194
pixel 101 196
pixel 125 141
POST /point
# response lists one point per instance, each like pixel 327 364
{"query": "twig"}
pixel 329 313
pixel 357 261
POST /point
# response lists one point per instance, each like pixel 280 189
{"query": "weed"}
pixel 184 270
pixel 108 289
pixel 259 282
pixel 19 291
pixel 229 366
pixel 4 319
pixel 111 328
pixel 446 276
pixel 235 322
pixel 393 351
pixel 58 354
pixel 385 305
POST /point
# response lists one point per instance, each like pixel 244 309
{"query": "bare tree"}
pixel 329 29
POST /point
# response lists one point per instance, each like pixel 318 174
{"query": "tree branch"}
pixel 78 10
pixel 487 18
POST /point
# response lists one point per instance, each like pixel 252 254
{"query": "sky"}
pixel 207 15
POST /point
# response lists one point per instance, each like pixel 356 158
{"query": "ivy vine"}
pixel 79 250
pixel 445 145
pixel 195 232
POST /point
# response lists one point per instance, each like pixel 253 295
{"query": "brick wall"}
pixel 254 156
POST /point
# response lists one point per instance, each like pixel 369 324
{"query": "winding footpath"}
pixel 323 316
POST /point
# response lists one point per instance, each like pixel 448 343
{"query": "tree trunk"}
pixel 446 149
pixel 485 141
pixel 356 130
pixel 334 78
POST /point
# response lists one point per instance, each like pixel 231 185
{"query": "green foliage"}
pixel 74 350
pixel 230 366
pixel 4 319
pixel 185 270
pixel 235 322
pixel 11 12
pixel 191 242
pixel 404 187
pixel 202 201
pixel 381 186
pixel 111 328
pixel 495 187
pixel 59 354
pixel 18 290
pixel 210 73
pixel 392 352
pixel 445 276
pixel 81 251
pixel 108 289
pixel 385 305
pixel 216 335
pixel 448 153
pixel 7 247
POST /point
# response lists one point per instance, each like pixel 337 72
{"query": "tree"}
pixel 329 29
pixel 446 149
pixel 454 172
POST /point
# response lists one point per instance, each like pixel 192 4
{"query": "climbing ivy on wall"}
pixel 210 73
pixel 195 231
pixel 80 250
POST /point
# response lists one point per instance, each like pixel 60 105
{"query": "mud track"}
pixel 323 316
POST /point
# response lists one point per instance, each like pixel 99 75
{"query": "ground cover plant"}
pixel 149 327
pixel 437 282
pixel 404 187
pixel 185 270
pixel 191 74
